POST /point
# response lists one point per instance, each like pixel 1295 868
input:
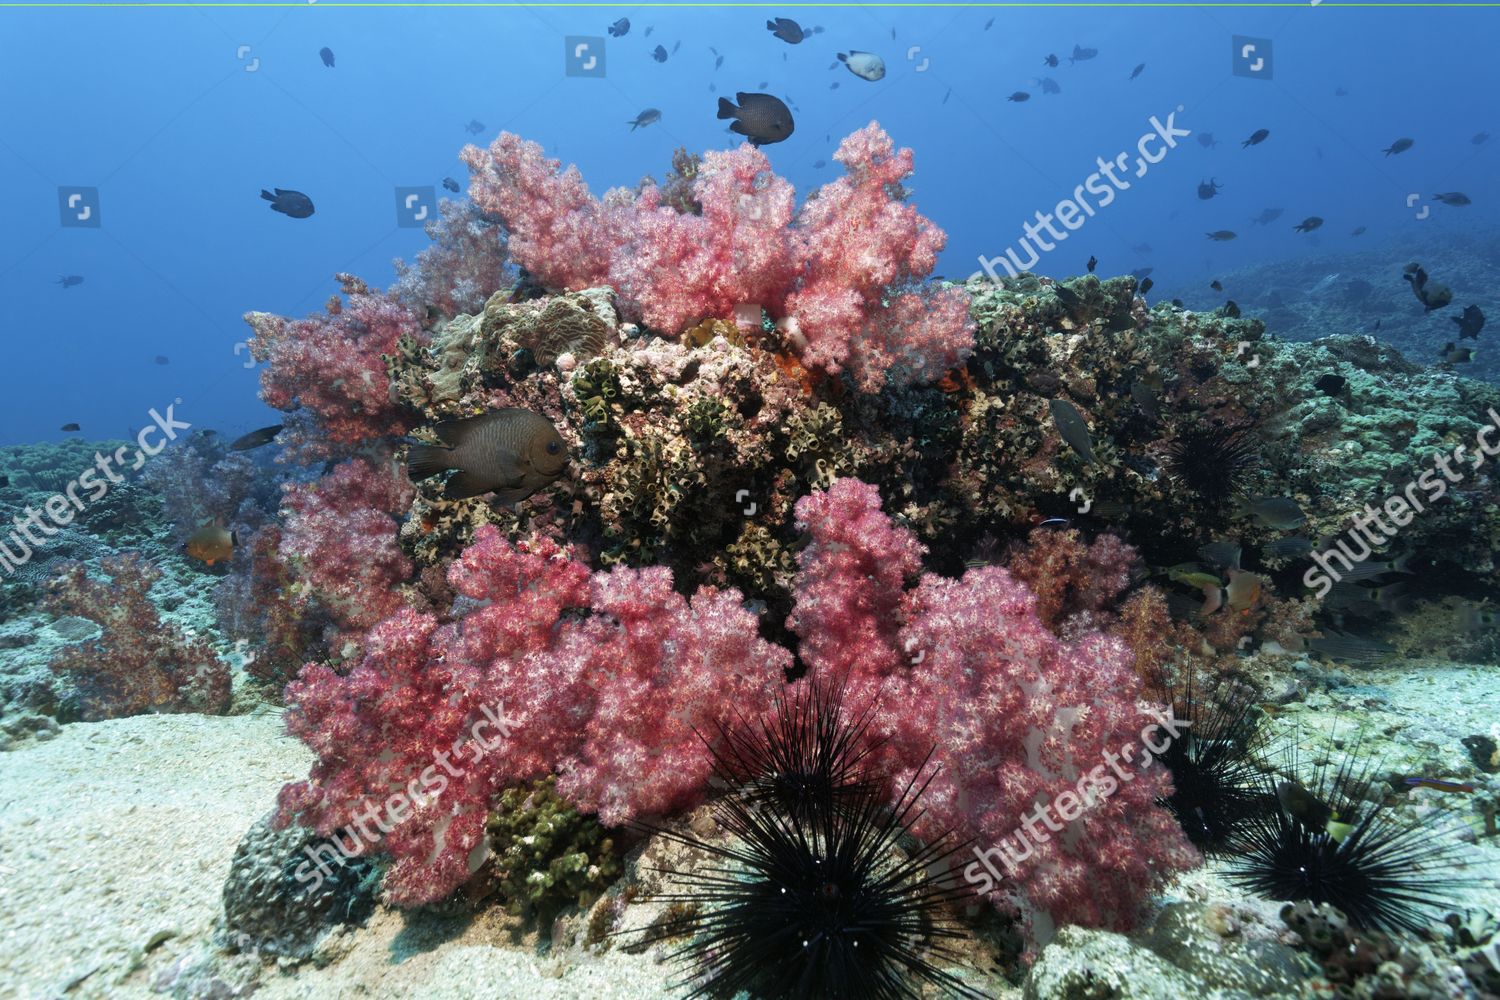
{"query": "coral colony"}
pixel 813 562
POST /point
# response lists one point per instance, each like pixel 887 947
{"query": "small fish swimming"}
pixel 1216 285
pixel 450 184
pixel 1440 785
pixel 1470 323
pixel 1244 591
pixel 162 359
pixel 620 28
pixel 211 543
pixel 292 204
pixel 761 118
pixel 71 428
pixel 1399 146
pixel 659 54
pixel 1073 428
pixel 649 28
pixel 1221 553
pixel 474 127
pixel 1351 648
pixel 1454 198
pixel 1330 384
pixel 790 31
pixel 1256 138
pixel 1145 286
pixel 1480 138
pixel 1136 72
pixel 69 280
pixel 256 438
pixel 1231 309
pixel 1358 231
pixel 864 65
pixel 819 164
pixel 1093 263
pixel 1311 812
pixel 1081 54
pixel 1431 294
pixel 1281 513
pixel 1340 92
pixel 1051 60
pixel 1207 140
pixel 511 453
pixel 1222 235
pixel 988 24
pixel 1308 224
pixel 1019 96
pixel 946 96
pixel 1452 354
pixel 326 54
pixel 1207 189
pixel 647 117
pixel 1288 548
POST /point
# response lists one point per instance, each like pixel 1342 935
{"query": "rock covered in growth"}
pixel 545 855
pixel 270 911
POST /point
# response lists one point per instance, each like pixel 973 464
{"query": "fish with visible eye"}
pixel 1461 787
pixel 256 439
pixel 761 118
pixel 511 453
pixel 211 543
pixel 865 65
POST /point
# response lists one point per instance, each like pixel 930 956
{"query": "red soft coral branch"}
pixel 331 368
pixel 843 272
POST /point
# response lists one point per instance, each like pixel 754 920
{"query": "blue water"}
pixel 159 109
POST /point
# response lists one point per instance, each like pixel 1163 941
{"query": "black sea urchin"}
pixel 1211 460
pixel 1328 842
pixel 1216 782
pixel 813 894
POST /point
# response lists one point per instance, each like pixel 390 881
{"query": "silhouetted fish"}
pixel 293 204
pixel 1256 138
pixel 69 280
pixel 1136 72
pixel 1081 54
pixel 761 118
pixel 659 54
pixel 1470 323
pixel 1399 146
pixel 256 438
pixel 326 54
pixel 620 28
pixel 450 184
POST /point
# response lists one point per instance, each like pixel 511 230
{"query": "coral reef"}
pixel 547 856
pixel 1019 717
pixel 139 663
pixel 603 677
pixel 328 370
pixel 272 911
pixel 841 271
pixel 465 265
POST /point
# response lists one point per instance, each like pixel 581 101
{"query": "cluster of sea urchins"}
pixel 1315 834
pixel 813 892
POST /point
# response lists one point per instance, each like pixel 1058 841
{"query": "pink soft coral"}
pixel 843 273
pixel 603 677
pixel 330 368
pixel 1017 716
